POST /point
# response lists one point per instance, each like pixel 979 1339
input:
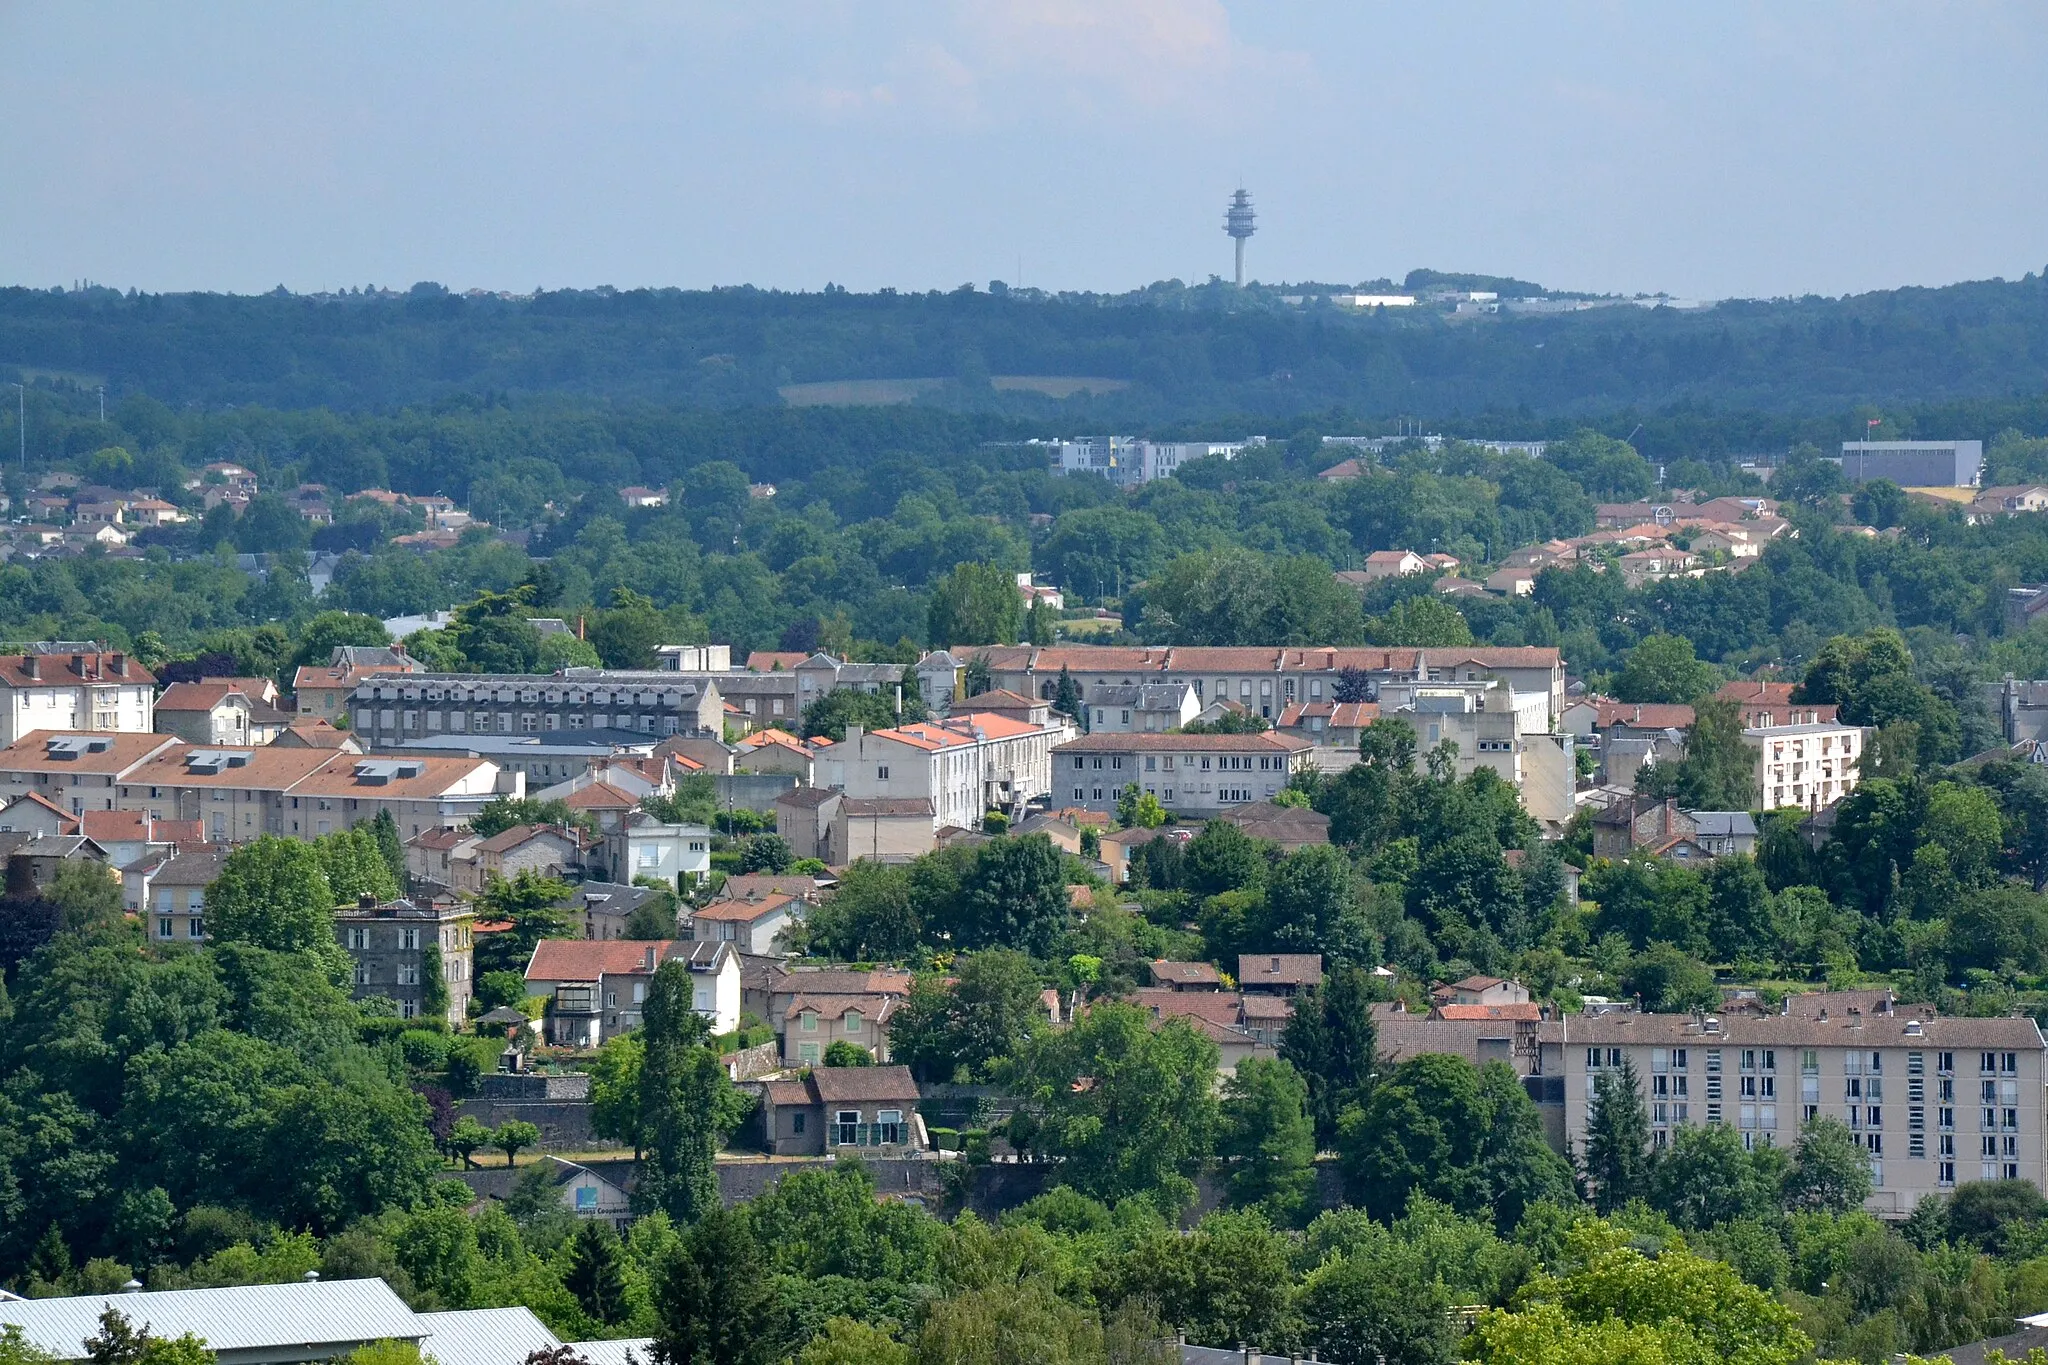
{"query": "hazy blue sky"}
pixel 1704 149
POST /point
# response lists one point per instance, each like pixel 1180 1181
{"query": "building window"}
pixel 881 772
pixel 796 1123
pixel 359 939
pixel 163 926
pixel 846 1128
pixel 807 1054
pixel 195 927
pixel 889 1127
pixel 808 1021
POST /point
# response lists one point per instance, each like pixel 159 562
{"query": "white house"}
pixel 53 687
pixel 642 846
pixel 966 765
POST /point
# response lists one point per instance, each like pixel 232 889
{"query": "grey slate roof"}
pixel 1724 823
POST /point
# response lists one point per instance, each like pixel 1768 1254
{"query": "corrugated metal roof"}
pixel 485 1336
pixel 624 1351
pixel 255 1318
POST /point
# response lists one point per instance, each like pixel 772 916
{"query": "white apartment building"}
pixel 1935 1102
pixel 1190 774
pixel 1263 679
pixel 62 687
pixel 1495 728
pixel 966 765
pixel 1809 766
pixel 1132 460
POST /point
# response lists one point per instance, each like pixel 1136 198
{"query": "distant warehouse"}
pixel 1914 464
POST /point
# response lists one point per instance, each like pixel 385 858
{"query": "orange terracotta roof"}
pixel 575 959
pixel 745 911
pixel 599 796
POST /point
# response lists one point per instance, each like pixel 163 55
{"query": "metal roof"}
pixel 624 1351
pixel 303 1320
pixel 485 1336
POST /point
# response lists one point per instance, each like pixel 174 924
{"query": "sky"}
pixel 1707 151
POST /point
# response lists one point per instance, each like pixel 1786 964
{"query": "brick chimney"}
pixel 650 959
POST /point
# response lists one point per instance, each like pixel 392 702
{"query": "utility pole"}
pixel 103 405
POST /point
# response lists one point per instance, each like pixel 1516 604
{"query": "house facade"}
pixel 1809 766
pixel 400 946
pixel 1196 774
pixel 858 1110
pixel 1935 1102
pixel 75 688
pixel 388 709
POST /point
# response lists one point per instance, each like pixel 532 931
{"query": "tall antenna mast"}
pixel 1238 221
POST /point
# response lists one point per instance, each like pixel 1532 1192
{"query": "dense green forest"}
pixel 1201 352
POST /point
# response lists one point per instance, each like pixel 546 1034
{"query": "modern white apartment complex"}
pixel 965 765
pixel 1936 1102
pixel 1263 679
pixel 1809 766
pixel 1190 774
pixel 1132 460
pixel 74 687
pixel 1495 728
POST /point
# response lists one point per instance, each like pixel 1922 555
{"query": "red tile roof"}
pixel 576 959
pixel 58 670
pixel 1528 1012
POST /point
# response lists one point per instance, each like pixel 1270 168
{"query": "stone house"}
pixel 858 1110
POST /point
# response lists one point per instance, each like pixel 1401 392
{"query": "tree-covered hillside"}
pixel 1185 353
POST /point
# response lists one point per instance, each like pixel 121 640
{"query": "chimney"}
pixel 650 959
pixel 117 664
pixel 32 665
pixel 366 901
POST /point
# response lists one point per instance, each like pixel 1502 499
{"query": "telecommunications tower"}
pixel 1237 221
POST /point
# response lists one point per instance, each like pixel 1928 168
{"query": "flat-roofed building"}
pixel 1808 766
pixel 1914 464
pixel 399 946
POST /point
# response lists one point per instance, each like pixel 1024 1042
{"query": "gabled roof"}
pixel 506 840
pixel 134 826
pixel 199 696
pixel 1186 973
pixel 1002 699
pixel 1279 969
pixel 308 1317
pixel 600 796
pixel 69 822
pixel 577 959
pixel 745 884
pixel 852 1084
pixel 57 671
pixel 858 807
pixel 807 798
pixel 196 866
pixel 747 911
pixel 877 1007
pixel 1528 1012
